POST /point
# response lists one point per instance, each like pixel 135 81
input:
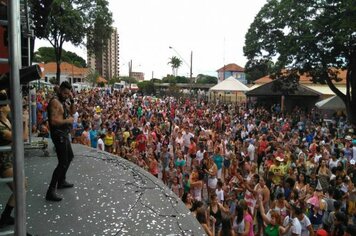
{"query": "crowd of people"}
pixel 240 171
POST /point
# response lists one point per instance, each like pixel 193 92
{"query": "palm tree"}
pixel 175 64
pixel 92 77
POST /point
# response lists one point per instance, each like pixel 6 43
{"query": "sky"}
pixel 213 31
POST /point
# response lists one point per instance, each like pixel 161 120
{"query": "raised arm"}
pixel 262 211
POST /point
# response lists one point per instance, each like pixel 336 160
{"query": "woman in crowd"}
pixel 211 170
pixel 109 140
pixel 216 210
pixel 196 184
pixel 324 174
pixel 301 185
pixel 203 220
pixel 280 205
pixel 187 199
pixel 6 168
pixel 273 222
pixel 226 227
pixel 248 221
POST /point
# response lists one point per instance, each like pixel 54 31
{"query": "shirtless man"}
pixel 262 191
pixel 60 110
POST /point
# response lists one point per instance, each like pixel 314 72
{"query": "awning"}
pixel 332 103
pixel 101 80
pixel 230 85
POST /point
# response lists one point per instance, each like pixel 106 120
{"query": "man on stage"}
pixel 60 110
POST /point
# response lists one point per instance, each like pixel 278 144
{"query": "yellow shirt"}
pixel 109 139
pixel 279 172
pixel 126 135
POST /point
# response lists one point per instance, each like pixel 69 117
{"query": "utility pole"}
pixel 130 68
pixel 191 66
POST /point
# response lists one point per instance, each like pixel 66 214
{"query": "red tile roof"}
pixel 305 79
pixel 231 67
pixel 66 68
pixel 101 80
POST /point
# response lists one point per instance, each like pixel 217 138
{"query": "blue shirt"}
pixel 218 160
pixel 93 138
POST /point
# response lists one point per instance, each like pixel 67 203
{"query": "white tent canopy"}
pixel 332 103
pixel 230 84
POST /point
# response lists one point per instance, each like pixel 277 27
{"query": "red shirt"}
pixel 141 142
pixel 262 146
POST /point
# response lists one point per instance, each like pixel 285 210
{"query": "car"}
pixel 79 87
pixel 40 84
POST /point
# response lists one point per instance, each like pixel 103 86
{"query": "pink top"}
pixel 248 218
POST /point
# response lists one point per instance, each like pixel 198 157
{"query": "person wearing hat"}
pixel 278 170
pixel 348 138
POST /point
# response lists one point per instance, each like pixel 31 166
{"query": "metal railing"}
pixel 14 29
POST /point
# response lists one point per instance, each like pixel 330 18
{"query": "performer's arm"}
pixel 57 114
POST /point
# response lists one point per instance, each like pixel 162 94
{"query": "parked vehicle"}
pixel 79 87
pixel 133 87
pixel 40 84
pixel 119 86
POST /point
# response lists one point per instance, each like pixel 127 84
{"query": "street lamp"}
pixel 189 65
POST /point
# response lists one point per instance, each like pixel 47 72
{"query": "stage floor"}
pixel 111 196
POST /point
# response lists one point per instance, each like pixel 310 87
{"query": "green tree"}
pixel 99 30
pixel 92 77
pixel 256 69
pixel 46 54
pixel 182 80
pixel 74 59
pixel 173 90
pixel 206 79
pixel 154 80
pixel 147 87
pixel 128 79
pixel 114 80
pixel 65 21
pixel 175 63
pixel 308 36
pixel 169 79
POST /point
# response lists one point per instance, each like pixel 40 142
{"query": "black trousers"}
pixel 64 155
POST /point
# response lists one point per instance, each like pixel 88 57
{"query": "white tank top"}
pixel 197 194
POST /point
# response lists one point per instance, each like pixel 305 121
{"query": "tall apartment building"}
pixel 108 65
